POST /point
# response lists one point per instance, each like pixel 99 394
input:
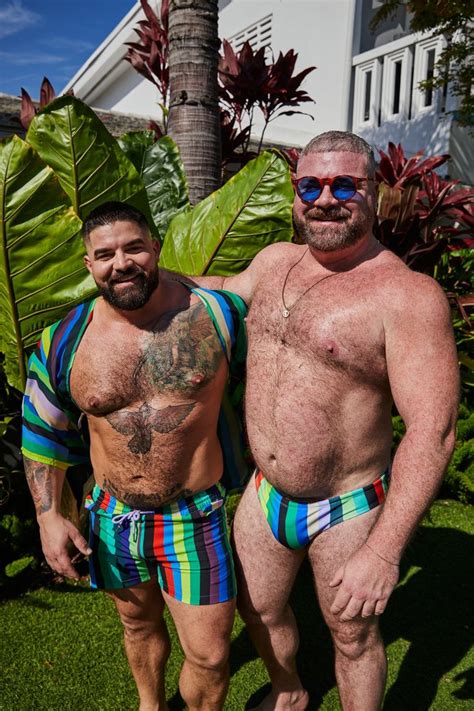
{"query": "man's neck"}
pixel 341 260
pixel 166 297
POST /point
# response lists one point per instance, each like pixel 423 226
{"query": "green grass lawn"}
pixel 62 649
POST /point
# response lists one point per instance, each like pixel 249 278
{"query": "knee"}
pixel 213 658
pixel 259 613
pixel 138 628
pixel 353 641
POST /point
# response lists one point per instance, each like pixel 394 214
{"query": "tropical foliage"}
pixel 421 215
pixel 28 110
pixel 248 81
pixel 149 56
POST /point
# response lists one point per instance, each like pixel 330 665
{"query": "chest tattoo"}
pixel 183 352
pixel 139 423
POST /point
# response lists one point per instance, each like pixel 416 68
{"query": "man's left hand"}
pixel 365 584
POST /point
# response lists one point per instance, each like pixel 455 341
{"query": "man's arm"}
pixel 424 379
pixel 243 284
pixel 57 533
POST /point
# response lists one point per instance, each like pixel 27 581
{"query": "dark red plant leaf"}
pixel 47 92
pixel 164 14
pixel 27 109
pixel 153 126
pixel 232 139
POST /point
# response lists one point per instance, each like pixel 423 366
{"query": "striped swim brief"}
pixel 295 523
pixel 185 543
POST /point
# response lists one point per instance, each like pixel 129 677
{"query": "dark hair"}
pixel 110 212
pixel 332 141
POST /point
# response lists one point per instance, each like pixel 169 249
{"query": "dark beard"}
pixel 136 296
pixel 328 239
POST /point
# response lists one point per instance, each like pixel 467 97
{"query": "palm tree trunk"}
pixel 193 120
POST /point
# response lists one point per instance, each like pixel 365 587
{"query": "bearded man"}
pixel 146 364
pixel 339 330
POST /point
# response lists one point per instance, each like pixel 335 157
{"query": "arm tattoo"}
pixel 41 485
pixel 142 502
pixel 140 423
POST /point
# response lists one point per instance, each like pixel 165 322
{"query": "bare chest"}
pixel 179 356
pixel 338 327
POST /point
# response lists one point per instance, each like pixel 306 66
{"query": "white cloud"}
pixel 14 17
pixel 73 45
pixel 31 58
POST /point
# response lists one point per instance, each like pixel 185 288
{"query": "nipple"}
pixel 331 347
pixel 197 378
pixel 93 403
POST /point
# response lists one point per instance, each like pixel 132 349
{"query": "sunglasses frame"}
pixel 329 181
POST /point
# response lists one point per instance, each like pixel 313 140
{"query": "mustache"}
pixel 327 213
pixel 123 276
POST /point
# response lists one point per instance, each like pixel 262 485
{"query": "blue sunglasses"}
pixel 342 187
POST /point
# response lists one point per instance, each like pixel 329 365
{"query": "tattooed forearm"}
pixel 144 502
pixel 140 423
pixel 40 482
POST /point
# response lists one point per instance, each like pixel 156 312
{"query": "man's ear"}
pixel 157 249
pixel 87 262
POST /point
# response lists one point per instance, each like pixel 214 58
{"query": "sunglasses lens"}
pixel 309 189
pixel 343 187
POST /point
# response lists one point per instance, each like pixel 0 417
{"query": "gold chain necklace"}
pixel 287 309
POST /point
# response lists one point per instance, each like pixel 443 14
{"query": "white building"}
pixel 364 82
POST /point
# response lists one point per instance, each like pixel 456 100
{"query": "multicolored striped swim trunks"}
pixel 295 523
pixel 185 543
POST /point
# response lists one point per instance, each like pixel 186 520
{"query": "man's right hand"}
pixel 56 535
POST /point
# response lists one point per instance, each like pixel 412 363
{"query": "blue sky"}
pixel 52 38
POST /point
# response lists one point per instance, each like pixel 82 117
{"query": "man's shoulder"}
pixel 411 293
pixel 221 299
pixel 60 331
pixel 278 251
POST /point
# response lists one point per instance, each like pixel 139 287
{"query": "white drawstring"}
pixel 129 516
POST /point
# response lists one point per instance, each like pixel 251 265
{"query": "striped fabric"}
pixel 54 432
pixel 51 431
pixel 295 523
pixel 185 543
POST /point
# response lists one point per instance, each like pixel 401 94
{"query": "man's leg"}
pixel 204 633
pixel 361 665
pixel 266 571
pixel 147 643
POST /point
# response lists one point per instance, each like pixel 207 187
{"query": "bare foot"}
pixel 284 701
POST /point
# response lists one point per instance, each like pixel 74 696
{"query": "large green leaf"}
pixel 41 269
pixel 161 169
pixel 87 160
pixel 224 232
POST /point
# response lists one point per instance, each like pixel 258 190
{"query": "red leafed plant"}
pixel 232 139
pixel 149 56
pixel 420 214
pixel 28 110
pixel 247 81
